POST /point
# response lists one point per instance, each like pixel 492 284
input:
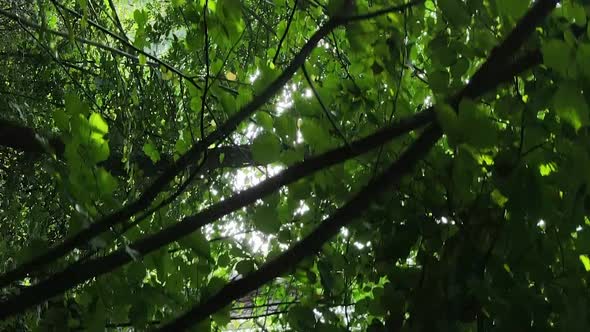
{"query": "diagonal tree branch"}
pixel 314 241
pixel 194 153
pixel 84 271
pixel 503 53
pixel 80 272
pixel 25 139
pixel 274 59
pixel 330 227
pixel 115 18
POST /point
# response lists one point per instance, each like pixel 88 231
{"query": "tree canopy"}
pixel 297 165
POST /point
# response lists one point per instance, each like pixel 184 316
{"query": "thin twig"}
pixel 319 99
pixel 274 59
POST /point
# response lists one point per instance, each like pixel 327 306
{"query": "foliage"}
pixel 307 165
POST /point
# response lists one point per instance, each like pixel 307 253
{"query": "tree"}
pixel 300 165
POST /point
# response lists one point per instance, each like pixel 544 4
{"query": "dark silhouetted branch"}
pixel 314 241
pixel 25 139
pixel 80 272
pixel 354 208
pixel 192 155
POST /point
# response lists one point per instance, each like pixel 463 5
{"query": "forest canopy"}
pixel 296 165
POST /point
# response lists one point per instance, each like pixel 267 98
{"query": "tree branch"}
pixel 117 20
pixel 501 55
pixel 170 173
pixel 82 271
pixel 25 139
pixel 194 153
pixel 274 59
pixel 314 241
pixel 330 227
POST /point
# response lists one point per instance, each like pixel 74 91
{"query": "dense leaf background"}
pixel 294 165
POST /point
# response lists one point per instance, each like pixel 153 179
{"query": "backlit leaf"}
pixel 266 148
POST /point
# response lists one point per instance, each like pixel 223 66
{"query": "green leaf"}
pixel 548 168
pixel 231 11
pixel 513 165
pixel 198 243
pixel 556 55
pixel 439 80
pixel 142 59
pixel 244 267
pixel 107 183
pixel 266 148
pixel 183 143
pixel 455 11
pixel 140 17
pixel 357 34
pixel 264 120
pixel 570 105
pixel 151 151
pixel 574 12
pixel 62 120
pixel 215 285
pixel 98 124
pixel 301 317
pixel 96 320
pixel 223 260
pixel 222 317
pixel 228 104
pixel 300 189
pixel 266 219
pixel 477 127
pixel 135 272
pixel 498 198
pixel 98 150
pixel 459 68
pixel 75 106
pixel 464 172
pixel 314 134
pixel 585 261
pixel 243 98
pixel 178 3
pixel 216 66
pixel 138 314
pixel 513 9
pixel 446 56
pixel 583 59
pixel 196 103
pixel 292 156
pixel 267 76
pixel 448 121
